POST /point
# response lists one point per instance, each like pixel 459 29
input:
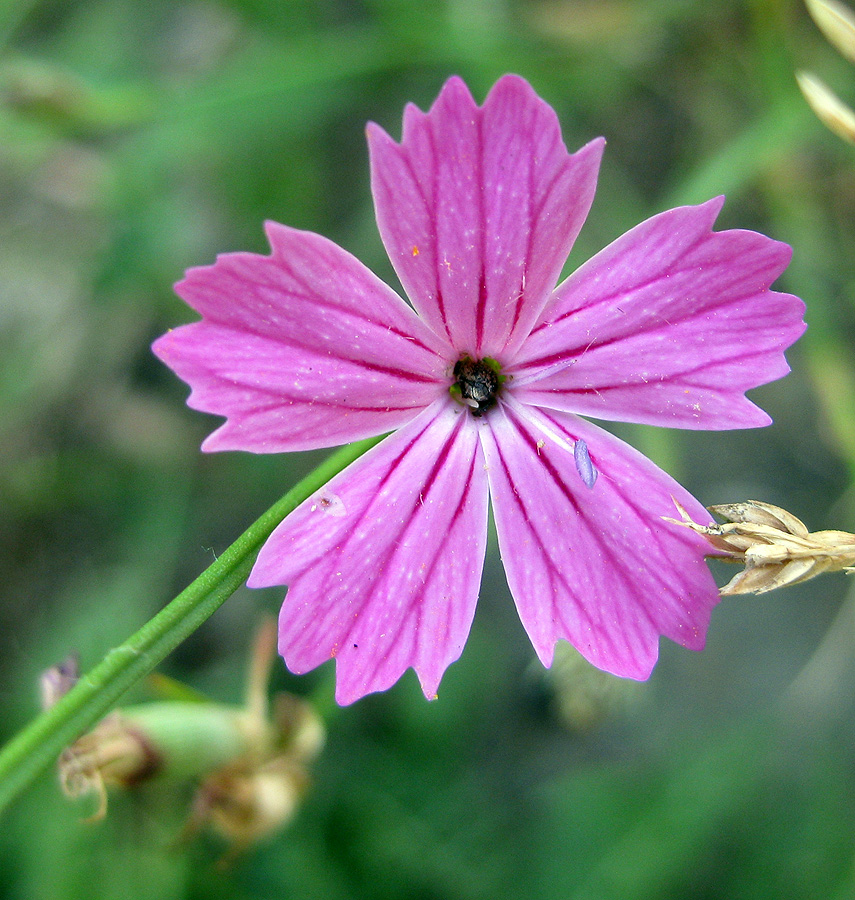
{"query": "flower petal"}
pixel 596 566
pixel 478 209
pixel 669 325
pixel 384 564
pixel 302 349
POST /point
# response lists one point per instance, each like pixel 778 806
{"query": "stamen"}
pixel 477 383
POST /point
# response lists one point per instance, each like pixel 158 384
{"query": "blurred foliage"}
pixel 140 138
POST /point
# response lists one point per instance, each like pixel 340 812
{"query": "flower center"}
pixel 477 383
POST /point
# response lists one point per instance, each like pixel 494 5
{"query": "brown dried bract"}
pixel 775 546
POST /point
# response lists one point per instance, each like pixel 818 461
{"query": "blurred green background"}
pixel 140 137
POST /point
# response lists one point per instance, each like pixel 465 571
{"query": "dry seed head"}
pixel 775 546
pixel 753 512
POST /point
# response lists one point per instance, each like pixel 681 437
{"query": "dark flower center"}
pixel 477 383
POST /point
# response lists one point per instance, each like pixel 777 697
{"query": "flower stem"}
pixel 35 748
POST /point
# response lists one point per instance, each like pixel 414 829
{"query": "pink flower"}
pixel 482 382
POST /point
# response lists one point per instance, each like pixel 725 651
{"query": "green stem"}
pixel 35 748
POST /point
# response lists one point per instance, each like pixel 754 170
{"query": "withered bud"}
pixel 302 733
pixel 246 803
pixel 260 791
pixel 250 762
pixel 775 546
pixel 113 753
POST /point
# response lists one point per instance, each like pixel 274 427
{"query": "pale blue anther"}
pixel 584 466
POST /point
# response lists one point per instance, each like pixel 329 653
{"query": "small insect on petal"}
pixel 584 466
pixel 330 503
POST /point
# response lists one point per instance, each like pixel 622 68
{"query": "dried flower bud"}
pixel 775 546
pixel 250 762
pixel 113 753
pixel 250 799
